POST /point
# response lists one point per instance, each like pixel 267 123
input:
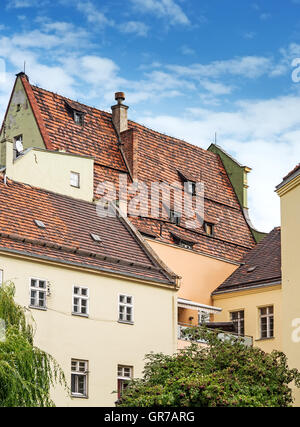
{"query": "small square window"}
pixel 75 179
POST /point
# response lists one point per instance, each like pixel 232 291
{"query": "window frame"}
pixel 126 305
pixel 81 297
pixel 1 277
pixel 268 317
pixel 78 118
pixel 238 321
pixel 209 224
pixel 43 290
pixel 122 379
pixel 175 217
pixel 191 187
pixel 77 174
pixel 78 373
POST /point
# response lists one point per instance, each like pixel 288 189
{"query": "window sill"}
pixel 78 396
pixel 265 339
pixel 38 308
pixel 125 323
pixel 80 315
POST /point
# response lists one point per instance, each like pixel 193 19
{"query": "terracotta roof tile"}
pixel 261 265
pixel 66 236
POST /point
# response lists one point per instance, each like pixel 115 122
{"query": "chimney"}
pixel 119 113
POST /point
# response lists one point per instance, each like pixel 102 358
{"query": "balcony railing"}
pixel 244 339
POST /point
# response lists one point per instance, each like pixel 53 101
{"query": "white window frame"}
pixel 37 289
pixel 80 373
pixel 126 305
pixel 123 379
pixel 191 187
pixel 80 298
pixel 267 316
pixel 1 277
pixel 238 321
pixel 75 182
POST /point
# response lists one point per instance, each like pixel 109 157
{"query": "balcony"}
pixel 246 340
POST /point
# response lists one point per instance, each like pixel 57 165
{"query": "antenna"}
pixel 215 137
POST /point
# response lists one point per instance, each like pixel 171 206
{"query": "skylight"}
pixel 96 238
pixel 40 224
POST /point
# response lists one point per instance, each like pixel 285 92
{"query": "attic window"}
pixel 40 224
pixel 251 269
pixel 75 179
pixel 96 238
pixel 18 107
pixel 191 187
pixel 185 244
pixel 209 228
pixel 174 217
pixel 78 118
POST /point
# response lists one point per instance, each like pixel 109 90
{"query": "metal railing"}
pixel 245 339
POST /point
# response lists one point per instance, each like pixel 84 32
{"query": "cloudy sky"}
pixel 190 68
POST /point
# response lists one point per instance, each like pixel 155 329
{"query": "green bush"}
pixel 223 373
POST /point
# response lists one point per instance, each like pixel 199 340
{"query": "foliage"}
pixel 26 372
pixel 222 373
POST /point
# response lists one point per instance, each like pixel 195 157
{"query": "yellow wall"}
pixel 250 301
pixel 290 238
pixel 51 170
pixel 100 339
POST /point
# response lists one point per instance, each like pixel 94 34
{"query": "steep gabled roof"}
pixel 67 238
pixel 262 265
pixel 159 158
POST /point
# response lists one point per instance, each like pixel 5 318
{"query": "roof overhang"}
pixel 191 305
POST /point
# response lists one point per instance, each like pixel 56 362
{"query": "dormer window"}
pixel 174 217
pixel 191 187
pixel 183 241
pixel 209 228
pixel 78 118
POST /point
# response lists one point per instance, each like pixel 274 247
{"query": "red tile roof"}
pixel 66 237
pixel 159 158
pixel 262 265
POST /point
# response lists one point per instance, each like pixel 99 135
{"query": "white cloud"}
pixel 135 27
pixel 163 9
pixel 22 4
pixel 93 15
pixel 260 134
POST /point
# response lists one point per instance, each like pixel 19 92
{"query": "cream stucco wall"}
pixel 290 238
pixel 100 339
pixel 250 301
pixel 51 170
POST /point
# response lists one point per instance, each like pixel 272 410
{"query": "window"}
pixel 125 309
pixel 125 374
pixel 80 301
pixel 78 118
pixel 75 179
pixel 238 319
pixel 79 378
pixel 18 146
pixel 266 322
pixel 38 293
pixel 1 277
pixel 209 228
pixel 175 217
pixel 203 317
pixel 191 187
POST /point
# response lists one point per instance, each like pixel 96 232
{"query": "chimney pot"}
pixel 119 113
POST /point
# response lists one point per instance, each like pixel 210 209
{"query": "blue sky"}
pixel 189 68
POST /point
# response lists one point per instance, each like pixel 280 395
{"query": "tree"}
pixel 223 373
pixel 26 372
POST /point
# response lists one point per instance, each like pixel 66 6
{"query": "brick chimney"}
pixel 119 113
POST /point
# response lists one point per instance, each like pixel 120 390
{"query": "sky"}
pixel 191 69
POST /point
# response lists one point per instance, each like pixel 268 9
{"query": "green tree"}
pixel 223 373
pixel 26 372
